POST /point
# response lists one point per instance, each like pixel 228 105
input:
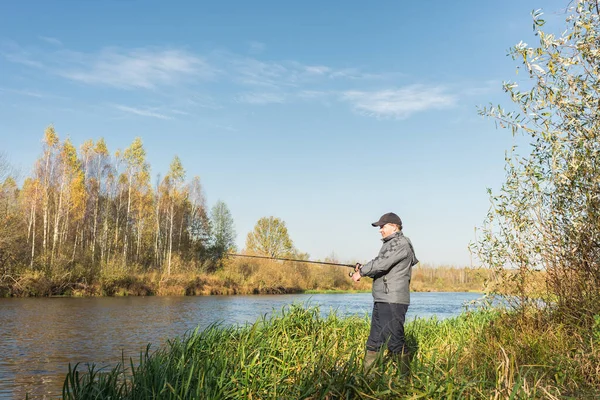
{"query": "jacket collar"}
pixel 393 235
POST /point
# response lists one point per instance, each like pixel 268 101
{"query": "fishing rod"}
pixel 290 259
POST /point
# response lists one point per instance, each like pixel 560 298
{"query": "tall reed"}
pixel 298 354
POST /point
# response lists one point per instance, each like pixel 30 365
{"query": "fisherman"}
pixel 391 273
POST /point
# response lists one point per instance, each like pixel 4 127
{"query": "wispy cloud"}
pixel 146 68
pixel 317 69
pixel 141 111
pixel 260 98
pixel 142 68
pixel 190 81
pixel 149 68
pixel 22 57
pixel 399 103
pixel 253 72
pixel 51 40
pixel 313 94
pixel 357 74
pixel 31 93
pixel 284 74
pixel 201 101
pixel 179 112
pixel 27 93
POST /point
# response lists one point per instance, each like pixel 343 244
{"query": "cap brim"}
pixel 378 223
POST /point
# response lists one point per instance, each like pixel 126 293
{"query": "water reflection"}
pixel 40 337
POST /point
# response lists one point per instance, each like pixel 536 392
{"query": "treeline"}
pixel 82 212
pixel 426 278
pixel 90 222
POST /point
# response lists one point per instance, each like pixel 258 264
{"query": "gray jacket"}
pixel 391 270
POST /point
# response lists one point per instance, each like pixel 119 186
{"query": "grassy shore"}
pixel 297 354
pixel 238 276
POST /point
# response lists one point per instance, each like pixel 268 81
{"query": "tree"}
pixel 45 172
pixel 270 237
pixel 96 178
pixel 173 182
pixel 30 198
pixel 223 231
pixel 11 221
pixel 547 214
pixel 137 177
pixel 70 197
pixel 93 210
pixel 197 221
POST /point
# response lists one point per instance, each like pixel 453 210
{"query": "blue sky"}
pixel 323 114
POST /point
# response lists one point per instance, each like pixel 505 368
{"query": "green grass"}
pixel 297 354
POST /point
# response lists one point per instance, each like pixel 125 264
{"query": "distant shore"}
pixel 238 277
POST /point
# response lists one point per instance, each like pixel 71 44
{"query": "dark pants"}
pixel 387 325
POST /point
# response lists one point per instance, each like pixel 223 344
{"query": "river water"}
pixel 39 337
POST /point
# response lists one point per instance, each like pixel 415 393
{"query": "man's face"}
pixel 386 230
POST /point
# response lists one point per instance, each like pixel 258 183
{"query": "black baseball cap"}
pixel 389 218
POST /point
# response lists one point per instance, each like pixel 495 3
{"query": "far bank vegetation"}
pixel 88 222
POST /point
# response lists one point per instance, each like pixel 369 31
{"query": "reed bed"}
pixel 298 354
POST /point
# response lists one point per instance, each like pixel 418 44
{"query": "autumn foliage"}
pixel 87 216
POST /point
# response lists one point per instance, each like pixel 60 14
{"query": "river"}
pixel 41 336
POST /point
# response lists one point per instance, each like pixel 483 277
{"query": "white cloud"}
pixel 141 68
pixel 356 74
pixel 142 112
pixel 250 71
pixel 27 93
pixel 31 93
pixel 149 68
pixel 399 103
pixel 257 81
pixel 146 68
pixel 260 98
pixel 22 58
pixel 317 69
pixel 312 94
pixel 284 74
pixel 51 40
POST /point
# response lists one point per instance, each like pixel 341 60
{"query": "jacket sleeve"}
pixel 387 258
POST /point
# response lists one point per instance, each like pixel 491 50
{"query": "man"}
pixel 391 272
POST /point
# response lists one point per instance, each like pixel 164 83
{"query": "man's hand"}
pixel 356 274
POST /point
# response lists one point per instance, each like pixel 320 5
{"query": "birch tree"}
pixel 174 180
pixel 45 172
pixel 96 179
pixel 136 176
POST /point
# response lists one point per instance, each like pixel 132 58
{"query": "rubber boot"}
pixel 370 357
pixel 403 362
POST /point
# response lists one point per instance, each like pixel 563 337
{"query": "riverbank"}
pixel 235 277
pixel 298 354
pixel 103 330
